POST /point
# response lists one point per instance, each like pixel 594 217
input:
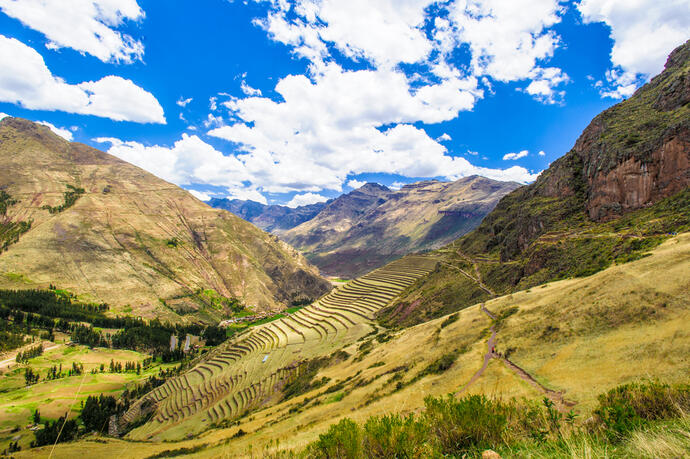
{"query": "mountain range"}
pixel 372 225
pixel 272 218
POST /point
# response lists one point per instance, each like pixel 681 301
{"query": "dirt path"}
pixel 469 276
pixel 554 396
pixel 487 357
pixel 7 362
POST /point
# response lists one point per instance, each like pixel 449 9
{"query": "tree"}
pixel 37 416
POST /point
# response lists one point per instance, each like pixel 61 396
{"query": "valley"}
pixel 387 371
pixel 465 317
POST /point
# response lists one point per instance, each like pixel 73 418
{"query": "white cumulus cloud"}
pixel 62 132
pixel 305 199
pixel 445 137
pixel 3 115
pixel 200 195
pixel 182 102
pixel 25 80
pixel 190 161
pixel 88 26
pixel 644 32
pixel 354 183
pixel 248 90
pixel 514 156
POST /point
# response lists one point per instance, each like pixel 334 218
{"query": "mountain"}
pixel 273 218
pixel 87 222
pixel 622 189
pixel 370 226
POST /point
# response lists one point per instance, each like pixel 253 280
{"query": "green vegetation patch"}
pixel 9 230
pixel 71 196
pixel 467 427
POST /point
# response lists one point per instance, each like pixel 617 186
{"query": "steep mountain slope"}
pixel 274 219
pixel 113 233
pixel 372 225
pixel 620 190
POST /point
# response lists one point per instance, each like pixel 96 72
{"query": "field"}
pixel 56 397
pixel 571 340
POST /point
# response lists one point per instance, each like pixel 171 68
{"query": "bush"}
pixel 449 320
pixel 626 408
pixel 343 440
pixel 440 365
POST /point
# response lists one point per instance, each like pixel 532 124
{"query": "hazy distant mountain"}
pixel 271 218
pixel 368 227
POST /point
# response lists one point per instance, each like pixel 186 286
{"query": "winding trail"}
pixel 554 396
pixel 487 357
pixel 7 362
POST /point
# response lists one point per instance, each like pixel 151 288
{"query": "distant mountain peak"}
pixel 374 187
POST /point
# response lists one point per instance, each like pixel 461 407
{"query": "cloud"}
pixel 444 137
pixel 644 32
pixel 356 183
pixel 183 102
pixel 331 123
pixel 25 80
pixel 84 25
pixel 544 83
pixel 62 132
pixel 507 38
pixel 396 185
pixel 305 199
pixel 541 153
pixel 190 161
pixel 329 127
pixel 248 90
pixel 514 156
pixel 3 115
pixel 200 195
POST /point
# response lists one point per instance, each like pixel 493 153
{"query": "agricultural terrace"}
pixel 249 371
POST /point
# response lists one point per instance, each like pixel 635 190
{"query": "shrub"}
pixel 449 320
pixel 343 440
pixel 440 365
pixel 626 408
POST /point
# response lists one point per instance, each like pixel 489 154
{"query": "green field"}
pixel 54 398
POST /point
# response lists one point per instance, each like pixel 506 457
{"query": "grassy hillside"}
pixel 573 248
pixel 568 340
pixel 111 232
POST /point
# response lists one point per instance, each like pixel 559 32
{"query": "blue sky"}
pixel 293 102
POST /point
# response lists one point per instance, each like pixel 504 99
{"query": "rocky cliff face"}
pixel 111 232
pixel 630 156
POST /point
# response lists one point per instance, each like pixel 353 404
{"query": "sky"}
pixel 294 102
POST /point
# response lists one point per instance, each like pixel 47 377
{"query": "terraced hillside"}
pixel 250 371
